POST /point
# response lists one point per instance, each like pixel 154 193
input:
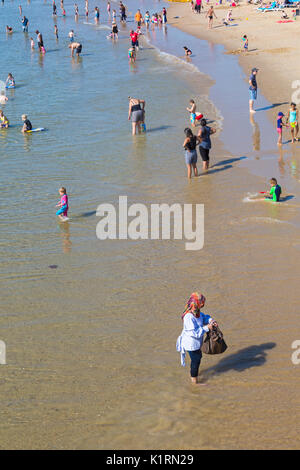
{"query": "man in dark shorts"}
pixel 205 143
pixel 26 124
pixel 77 47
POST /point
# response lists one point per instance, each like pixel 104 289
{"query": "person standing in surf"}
pixel 62 213
pixel 195 325
pixel 189 145
pixel 136 113
pixel 252 89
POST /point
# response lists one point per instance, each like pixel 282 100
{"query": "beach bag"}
pixel 214 342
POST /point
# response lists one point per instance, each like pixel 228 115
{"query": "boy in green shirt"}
pixel 275 191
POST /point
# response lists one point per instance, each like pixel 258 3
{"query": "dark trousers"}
pixel 195 361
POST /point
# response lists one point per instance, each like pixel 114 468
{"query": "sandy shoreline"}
pixel 271 45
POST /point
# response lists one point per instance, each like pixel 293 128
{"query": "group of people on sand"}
pixel 291 120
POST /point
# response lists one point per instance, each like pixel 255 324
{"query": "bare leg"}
pixel 195 169
pixel 189 171
pixel 251 106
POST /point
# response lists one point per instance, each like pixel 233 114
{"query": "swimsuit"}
pixel 293 118
pixel 193 117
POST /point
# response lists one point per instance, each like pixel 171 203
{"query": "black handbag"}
pixel 214 342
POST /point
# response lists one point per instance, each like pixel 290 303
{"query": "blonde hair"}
pixel 24 116
pixel 63 190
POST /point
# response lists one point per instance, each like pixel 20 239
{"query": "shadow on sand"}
pixel 274 105
pixel 253 356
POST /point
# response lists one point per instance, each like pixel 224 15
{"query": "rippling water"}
pixel 91 343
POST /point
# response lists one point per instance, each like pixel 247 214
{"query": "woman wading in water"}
pixel 136 113
pixel 189 145
pixel 195 324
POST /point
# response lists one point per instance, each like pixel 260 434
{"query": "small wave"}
pixel 258 219
pixel 253 197
pixel 173 59
pixel 104 26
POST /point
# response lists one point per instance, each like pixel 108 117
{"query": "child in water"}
pixel 10 81
pixel 62 213
pixel 27 126
pixel 187 51
pixel 275 191
pixel 131 54
pixel 32 44
pixel 4 122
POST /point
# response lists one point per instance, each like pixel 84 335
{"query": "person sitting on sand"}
pixel 275 191
pixel 229 16
pixel 4 122
pixel 75 46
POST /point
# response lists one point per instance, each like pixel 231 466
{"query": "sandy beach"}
pixel 272 45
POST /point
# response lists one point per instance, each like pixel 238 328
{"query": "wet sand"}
pixel 91 344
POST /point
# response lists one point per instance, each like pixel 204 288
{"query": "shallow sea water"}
pixel 91 359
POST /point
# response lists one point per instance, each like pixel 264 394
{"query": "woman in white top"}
pixel 195 324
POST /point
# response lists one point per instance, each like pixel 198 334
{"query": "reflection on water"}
pixel 65 236
pixel 255 134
